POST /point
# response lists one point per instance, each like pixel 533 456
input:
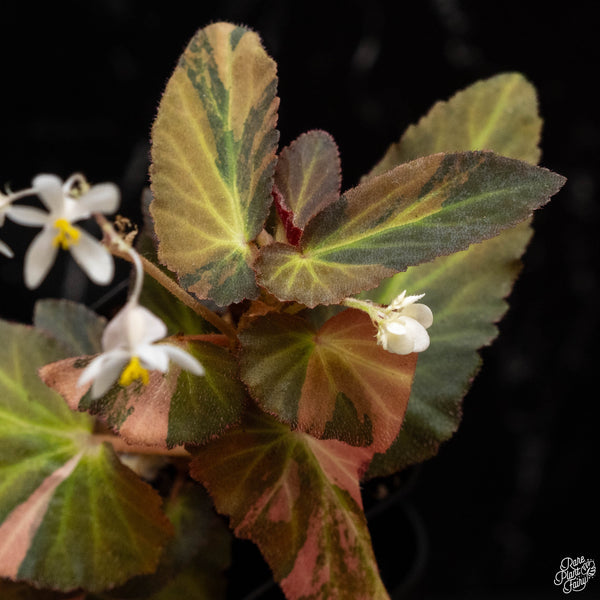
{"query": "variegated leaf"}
pixel 213 154
pixel 334 382
pixel 71 515
pixel 193 562
pixel 298 499
pixel 307 179
pixel 465 290
pixel 499 114
pixel 429 207
pixel 172 409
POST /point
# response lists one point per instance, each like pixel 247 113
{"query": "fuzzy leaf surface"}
pixel 498 113
pixel 213 155
pixel 432 206
pixel 192 564
pixel 61 493
pixel 179 318
pixel 174 408
pixel 74 325
pixel 334 382
pixel 307 178
pixel 298 499
pixel 465 309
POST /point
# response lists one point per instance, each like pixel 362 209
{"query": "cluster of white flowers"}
pixel 129 341
pixel 129 351
pixel 402 326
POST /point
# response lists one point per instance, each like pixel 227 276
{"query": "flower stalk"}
pixel 118 247
pixel 121 445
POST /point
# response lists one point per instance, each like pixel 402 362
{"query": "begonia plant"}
pixel 281 343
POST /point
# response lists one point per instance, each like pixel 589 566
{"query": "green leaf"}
pixel 175 408
pixel 202 546
pixel 465 290
pixel 61 493
pixel 202 538
pixel 121 516
pixel 179 318
pixel 193 562
pixel 298 499
pixel 74 325
pixel 499 114
pixel 332 383
pixel 307 179
pixel 426 208
pixel 213 155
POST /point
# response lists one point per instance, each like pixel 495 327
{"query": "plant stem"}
pixel 118 247
pixel 363 305
pixel 217 339
pixel 177 291
pixel 120 445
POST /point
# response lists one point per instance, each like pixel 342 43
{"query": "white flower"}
pixel 66 203
pixel 129 351
pixel 4 206
pixel 402 326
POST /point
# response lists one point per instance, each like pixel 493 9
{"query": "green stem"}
pixel 364 305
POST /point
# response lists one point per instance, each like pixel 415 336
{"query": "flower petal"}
pixel 131 327
pixel 102 198
pixel 149 328
pixel 108 375
pixel 114 334
pixel 39 258
pixel 184 359
pixel 93 258
pixel 417 333
pixel 28 216
pixel 153 357
pixel 49 189
pixel 419 312
pixel 397 338
pixel 403 335
pixel 4 249
pixel 97 365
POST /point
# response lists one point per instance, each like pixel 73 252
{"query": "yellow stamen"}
pixel 67 234
pixel 134 371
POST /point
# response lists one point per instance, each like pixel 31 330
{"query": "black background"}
pixel 515 490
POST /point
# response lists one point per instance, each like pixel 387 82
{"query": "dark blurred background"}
pixel 515 491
